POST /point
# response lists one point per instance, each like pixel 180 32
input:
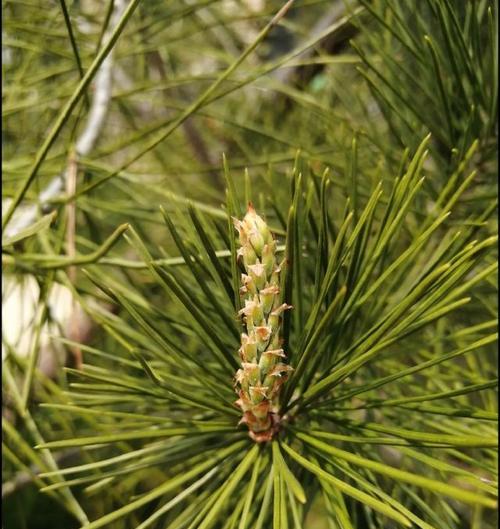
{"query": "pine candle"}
pixel 263 371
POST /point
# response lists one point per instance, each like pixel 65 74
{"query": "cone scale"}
pixel 263 371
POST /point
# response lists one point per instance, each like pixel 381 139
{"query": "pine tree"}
pixel 300 333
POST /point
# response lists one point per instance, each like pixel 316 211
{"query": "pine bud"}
pixel 267 297
pixel 248 349
pixel 248 284
pixel 263 372
pixel 248 254
pixel 258 274
pixel 268 259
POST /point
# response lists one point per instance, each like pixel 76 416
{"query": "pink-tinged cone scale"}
pixel 258 383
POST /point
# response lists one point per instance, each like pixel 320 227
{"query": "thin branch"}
pixel 72 174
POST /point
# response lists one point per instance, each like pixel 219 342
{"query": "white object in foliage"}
pixel 21 312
